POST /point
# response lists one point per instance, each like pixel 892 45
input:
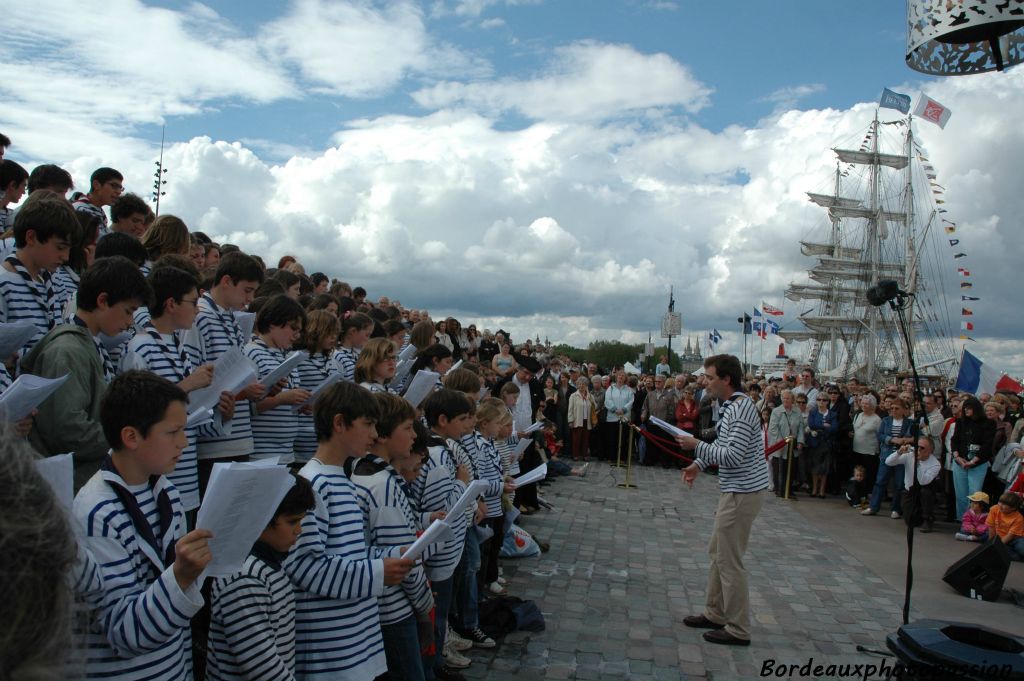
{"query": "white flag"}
pixel 930 110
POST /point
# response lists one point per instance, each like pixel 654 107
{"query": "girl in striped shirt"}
pixel 319 340
pixel 252 613
pixel 376 365
pixel 275 423
pixel 356 328
pixel 489 418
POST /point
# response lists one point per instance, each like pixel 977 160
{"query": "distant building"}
pixel 690 358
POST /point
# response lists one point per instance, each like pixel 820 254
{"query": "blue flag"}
pixel 894 100
pixel 716 336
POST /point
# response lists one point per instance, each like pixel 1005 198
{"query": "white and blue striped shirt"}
pixel 738 451
pixel 337 584
pixel 274 430
pixel 311 373
pixel 252 625
pixel 343 361
pixel 165 356
pixel 35 302
pixel 389 523
pixel 145 616
pixel 215 332
pixel 489 469
pixel 436 489
pixel 65 286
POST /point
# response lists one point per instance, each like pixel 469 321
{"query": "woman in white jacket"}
pixel 581 406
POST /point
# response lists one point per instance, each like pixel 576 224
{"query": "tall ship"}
pixel 881 220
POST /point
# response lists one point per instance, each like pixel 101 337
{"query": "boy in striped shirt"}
pixel 252 620
pixel 215 332
pixel 440 483
pixel 390 523
pixel 43 231
pixel 134 527
pixel 337 582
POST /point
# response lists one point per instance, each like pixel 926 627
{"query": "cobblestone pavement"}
pixel 625 567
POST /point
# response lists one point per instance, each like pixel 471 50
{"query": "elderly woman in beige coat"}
pixel 581 409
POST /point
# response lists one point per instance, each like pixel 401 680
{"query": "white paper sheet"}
pixel 199 417
pixel 453 367
pixel 521 447
pixel 536 475
pixel 111 342
pixel 408 352
pixel 26 393
pixel 59 471
pixel 231 372
pixel 669 428
pixel 239 502
pixel 284 368
pixel 534 427
pixel 422 385
pixel 456 514
pixel 402 370
pixel 245 321
pixel 324 385
pixel 13 336
pixel 432 535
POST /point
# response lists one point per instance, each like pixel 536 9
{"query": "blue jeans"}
pixel 402 650
pixel 882 481
pixel 467 615
pixel 967 481
pixel 442 604
pixel 1016 548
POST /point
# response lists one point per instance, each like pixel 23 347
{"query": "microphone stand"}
pixel 899 306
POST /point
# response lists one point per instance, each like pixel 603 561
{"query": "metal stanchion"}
pixel 629 465
pixel 790 447
pixel 618 454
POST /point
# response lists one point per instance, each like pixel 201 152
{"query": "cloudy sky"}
pixel 548 166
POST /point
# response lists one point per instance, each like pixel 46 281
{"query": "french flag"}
pixel 976 378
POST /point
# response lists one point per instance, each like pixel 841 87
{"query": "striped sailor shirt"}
pixel 337 626
pixel 252 622
pixel 215 332
pixel 390 523
pixel 23 299
pixel 143 630
pixel 274 430
pixel 489 467
pixel 436 489
pixel 311 373
pixel 165 356
pixel 738 451
pixel 343 361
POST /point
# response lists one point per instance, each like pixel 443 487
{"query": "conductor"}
pixel 738 451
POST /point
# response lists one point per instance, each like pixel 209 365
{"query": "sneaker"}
pixel 455 659
pixel 447 674
pixel 456 642
pixel 479 638
pixel 895 515
pixel 502 581
pixel 496 589
pixel 583 470
pixel 869 511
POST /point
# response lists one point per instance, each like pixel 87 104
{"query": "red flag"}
pixel 771 309
pixel 966 326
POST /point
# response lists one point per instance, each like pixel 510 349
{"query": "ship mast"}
pixel 910 285
pixel 873 255
pixel 832 305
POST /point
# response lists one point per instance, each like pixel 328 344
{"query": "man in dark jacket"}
pixel 531 399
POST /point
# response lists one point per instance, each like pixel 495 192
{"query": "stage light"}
pixel 964 37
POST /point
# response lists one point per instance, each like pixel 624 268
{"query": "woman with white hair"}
pixel 582 414
pixel 865 436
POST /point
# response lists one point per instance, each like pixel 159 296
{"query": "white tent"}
pixel 630 369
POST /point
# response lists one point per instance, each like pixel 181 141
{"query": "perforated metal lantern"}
pixel 961 37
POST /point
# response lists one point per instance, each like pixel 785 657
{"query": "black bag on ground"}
pixel 502 615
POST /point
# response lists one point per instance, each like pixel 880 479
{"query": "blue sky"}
pixel 547 166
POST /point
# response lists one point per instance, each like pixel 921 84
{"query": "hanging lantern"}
pixel 961 37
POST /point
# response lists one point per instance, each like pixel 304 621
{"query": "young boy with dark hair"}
pixel 390 523
pixel 69 421
pixel 275 423
pixel 51 177
pixel 43 231
pixel 118 243
pixel 13 179
pixel 105 187
pixel 158 348
pixel 441 481
pixel 252 620
pixel 216 332
pixel 135 528
pixel 337 582
pixel 129 216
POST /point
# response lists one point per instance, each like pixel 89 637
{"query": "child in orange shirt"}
pixel 1006 522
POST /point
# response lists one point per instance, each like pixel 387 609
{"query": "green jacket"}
pixel 69 421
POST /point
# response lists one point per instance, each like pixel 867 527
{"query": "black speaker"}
pixel 982 571
pixel 936 649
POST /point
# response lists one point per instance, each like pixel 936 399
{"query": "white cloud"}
pixel 787 97
pixel 586 80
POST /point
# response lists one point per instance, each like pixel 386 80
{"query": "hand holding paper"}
pixel 422 385
pixel 457 513
pixel 669 428
pixel 26 393
pixel 434 534
pixel 536 475
pixel 231 372
pixel 284 368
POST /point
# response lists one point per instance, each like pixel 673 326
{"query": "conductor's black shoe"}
pixel 448 674
pixel 701 622
pixel 725 638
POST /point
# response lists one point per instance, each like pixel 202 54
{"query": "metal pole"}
pixel 618 454
pixel 790 446
pixel 629 465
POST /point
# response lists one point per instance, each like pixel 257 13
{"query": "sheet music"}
pixel 245 321
pixel 239 502
pixel 231 372
pixel 669 428
pixel 422 385
pixel 408 352
pixel 432 535
pixel 59 471
pixel 284 368
pixel 13 337
pixel 536 475
pixel 468 498
pixel 26 393
pixel 324 385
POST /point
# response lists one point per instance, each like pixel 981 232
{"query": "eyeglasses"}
pixel 822 400
pixel 190 301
